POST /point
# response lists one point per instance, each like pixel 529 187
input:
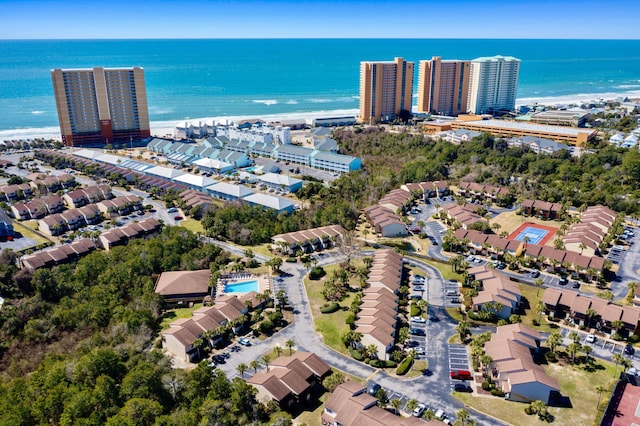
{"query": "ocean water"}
pixel 189 79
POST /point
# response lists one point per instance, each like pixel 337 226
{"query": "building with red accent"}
pixel 100 106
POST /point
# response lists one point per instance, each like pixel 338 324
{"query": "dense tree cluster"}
pixel 77 344
pixel 608 176
pixel 108 295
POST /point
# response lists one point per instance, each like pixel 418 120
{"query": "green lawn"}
pixel 330 326
pixel 171 315
pixel 192 225
pixel 445 270
pixel 575 383
pixel 27 229
pixel 532 296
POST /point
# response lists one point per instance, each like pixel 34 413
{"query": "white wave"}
pixel 162 128
pixel 628 86
pixel 52 132
pixel 265 101
pixel 37 112
pixel 577 98
pixel 291 102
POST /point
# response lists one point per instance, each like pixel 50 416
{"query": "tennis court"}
pixel 535 234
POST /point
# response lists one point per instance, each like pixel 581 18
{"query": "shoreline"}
pixel 167 127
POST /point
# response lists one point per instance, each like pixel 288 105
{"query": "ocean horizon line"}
pixel 319 38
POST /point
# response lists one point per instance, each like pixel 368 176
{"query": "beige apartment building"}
pixel 101 105
pixel 443 86
pixel 385 90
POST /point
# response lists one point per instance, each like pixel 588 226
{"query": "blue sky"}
pixel 53 19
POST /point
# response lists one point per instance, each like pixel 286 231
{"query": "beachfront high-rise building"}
pixel 493 83
pixel 386 89
pixel 443 86
pixel 101 105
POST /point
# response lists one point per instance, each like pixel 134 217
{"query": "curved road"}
pixel 433 390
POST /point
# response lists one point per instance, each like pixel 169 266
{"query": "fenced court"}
pixel 536 234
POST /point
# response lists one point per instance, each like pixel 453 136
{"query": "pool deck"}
pixel 264 282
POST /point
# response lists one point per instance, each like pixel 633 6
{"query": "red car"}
pixel 461 374
pixel 177 218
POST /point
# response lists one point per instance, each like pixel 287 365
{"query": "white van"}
pixel 452 292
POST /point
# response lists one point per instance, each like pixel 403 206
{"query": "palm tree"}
pixel 554 340
pixel 254 364
pixel 266 359
pixel 600 389
pixel 538 283
pixel 617 358
pixel 575 337
pixel 587 350
pixel 591 313
pixel 463 329
pixel 242 368
pixel 396 404
pixel 462 415
pixel 540 309
pixel 371 351
pixel 290 344
pixel 572 350
pixel 277 351
pixel 486 361
pixel 411 405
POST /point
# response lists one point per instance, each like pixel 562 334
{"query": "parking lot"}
pixel 616 254
pixel 458 360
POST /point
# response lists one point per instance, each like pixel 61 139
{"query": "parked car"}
pixel 418 319
pixel 563 281
pixel 417 331
pixel 420 350
pixel 419 410
pixel 591 338
pixel 412 344
pixel 460 387
pixel 629 350
pixel 575 284
pixel 455 300
pixel 460 374
pixel 177 218
pixel 373 388
pixel 535 274
pixel 244 341
pixel 172 210
pixel 418 288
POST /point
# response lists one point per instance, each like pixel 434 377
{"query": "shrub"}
pixel 403 302
pixel 291 259
pixel 486 386
pixel 616 337
pixel 266 326
pixel 415 311
pixel 350 320
pixel 404 366
pixel 497 392
pixel 380 363
pixel 528 410
pixel 357 355
pixel 316 273
pixel 275 317
pixel 550 356
pixel 634 338
pixel 535 322
pixel 330 308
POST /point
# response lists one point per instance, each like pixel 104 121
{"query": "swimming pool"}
pixel 242 287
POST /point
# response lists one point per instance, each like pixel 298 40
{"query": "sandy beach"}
pixel 167 128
